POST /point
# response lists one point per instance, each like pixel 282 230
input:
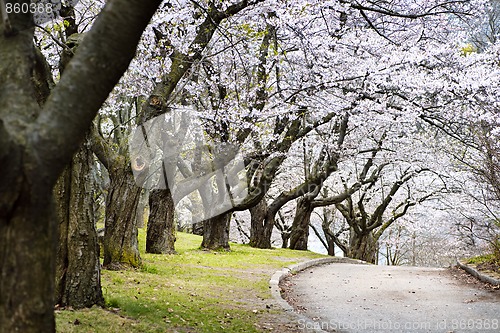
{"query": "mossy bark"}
pixel 28 228
pixel 120 235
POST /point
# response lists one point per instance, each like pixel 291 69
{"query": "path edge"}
pixel 307 324
pixel 477 274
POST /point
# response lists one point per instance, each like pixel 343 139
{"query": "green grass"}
pixel 485 258
pixel 193 291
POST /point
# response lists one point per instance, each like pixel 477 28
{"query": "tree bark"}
pixel 216 232
pixel 78 279
pixel 142 208
pixel 28 228
pixel 120 235
pixel 161 225
pixel 330 242
pixel 300 227
pixel 62 199
pixel 261 226
pixel 27 260
pixel 331 247
pixel 285 238
pixel 363 246
pixel 197 228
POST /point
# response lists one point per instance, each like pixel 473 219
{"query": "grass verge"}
pixel 193 291
pixel 485 258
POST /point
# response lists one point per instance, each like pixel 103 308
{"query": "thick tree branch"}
pixel 90 76
pixel 429 12
pixel 376 218
pixel 335 236
pixel 325 166
pixel 337 198
pixel 396 215
pixel 102 149
pixel 161 97
pixel 318 234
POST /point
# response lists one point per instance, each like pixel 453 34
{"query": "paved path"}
pixel 372 299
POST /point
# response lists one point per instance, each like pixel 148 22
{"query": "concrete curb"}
pixel 481 276
pixel 308 324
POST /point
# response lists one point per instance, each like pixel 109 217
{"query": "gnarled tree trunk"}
pixel 300 227
pixel 78 278
pixel 161 224
pixel 120 235
pixel 363 246
pixel 216 232
pixel 261 226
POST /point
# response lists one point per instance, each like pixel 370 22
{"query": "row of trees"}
pixel 328 104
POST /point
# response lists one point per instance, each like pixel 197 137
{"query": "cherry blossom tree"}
pixel 38 140
pixel 174 62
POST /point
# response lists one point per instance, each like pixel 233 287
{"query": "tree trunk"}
pixel 285 238
pixel 62 198
pixel 261 224
pixel 216 232
pixel 161 224
pixel 28 238
pixel 142 208
pixel 78 279
pixel 329 236
pixel 120 235
pixel 197 228
pixel 197 211
pixel 331 246
pixel 27 259
pixel 363 247
pixel 300 227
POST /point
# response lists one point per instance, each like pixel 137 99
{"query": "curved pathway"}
pixel 353 298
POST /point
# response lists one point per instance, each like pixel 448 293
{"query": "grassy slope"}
pixel 194 291
pixel 485 258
